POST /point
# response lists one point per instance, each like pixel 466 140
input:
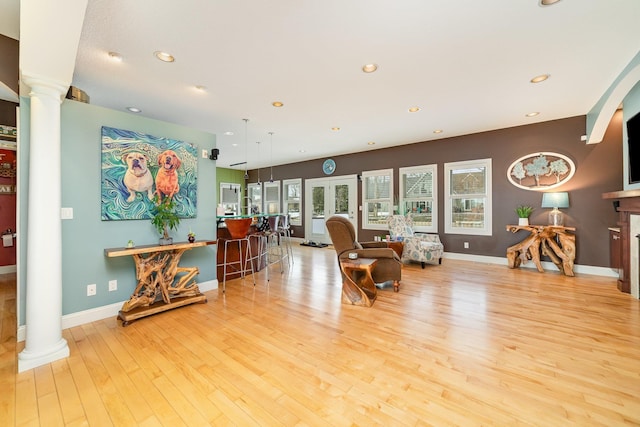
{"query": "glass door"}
pixel 326 197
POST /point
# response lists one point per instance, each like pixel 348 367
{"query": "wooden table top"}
pixel 143 249
pixel 358 262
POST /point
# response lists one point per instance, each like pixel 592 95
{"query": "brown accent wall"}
pixel 9 65
pixel 598 170
pixel 8 113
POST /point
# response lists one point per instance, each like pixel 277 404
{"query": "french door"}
pixel 326 197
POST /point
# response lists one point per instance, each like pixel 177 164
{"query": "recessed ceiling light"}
pixel 548 2
pixel 335 129
pixel 438 131
pixel 228 133
pixel 414 109
pixel 533 114
pixel 277 104
pixel 164 56
pixel 540 78
pixel 201 88
pixel 302 151
pixel 234 145
pixel 369 68
pixel 371 143
pixel 134 109
pixel 115 56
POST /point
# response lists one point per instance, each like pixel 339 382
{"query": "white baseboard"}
pixel 547 265
pixel 94 314
pixel 6 269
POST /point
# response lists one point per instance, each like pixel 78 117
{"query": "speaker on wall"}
pixel 214 154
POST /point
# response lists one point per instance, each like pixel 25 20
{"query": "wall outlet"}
pixel 113 285
pixel 466 245
pixel 91 290
pixel 205 154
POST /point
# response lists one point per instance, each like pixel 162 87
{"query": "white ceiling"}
pixel 465 63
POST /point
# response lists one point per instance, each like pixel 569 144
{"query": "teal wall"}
pixel 85 237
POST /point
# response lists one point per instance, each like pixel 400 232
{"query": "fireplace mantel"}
pixel 621 194
pixel 626 203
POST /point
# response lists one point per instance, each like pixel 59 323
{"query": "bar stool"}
pixel 275 253
pixel 285 237
pixel 261 243
pixel 238 228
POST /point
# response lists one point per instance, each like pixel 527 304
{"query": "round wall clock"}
pixel 329 167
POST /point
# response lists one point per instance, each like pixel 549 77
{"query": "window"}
pixel 468 197
pixel 272 197
pixel 230 197
pixel 377 188
pixel 418 196
pixel 292 200
pixel 254 198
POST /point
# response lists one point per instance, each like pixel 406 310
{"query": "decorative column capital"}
pixel 44 86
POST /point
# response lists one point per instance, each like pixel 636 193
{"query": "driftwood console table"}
pixel 556 242
pixel 158 288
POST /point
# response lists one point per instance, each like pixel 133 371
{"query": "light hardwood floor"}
pixel 462 343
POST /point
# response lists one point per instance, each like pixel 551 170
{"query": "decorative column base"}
pixel 29 360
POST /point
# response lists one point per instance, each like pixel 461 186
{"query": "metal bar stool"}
pixel 260 237
pixel 275 253
pixel 285 237
pixel 238 228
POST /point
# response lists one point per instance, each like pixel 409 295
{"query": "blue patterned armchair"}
pixel 419 247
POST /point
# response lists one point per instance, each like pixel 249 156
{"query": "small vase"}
pixel 523 221
pixel 191 239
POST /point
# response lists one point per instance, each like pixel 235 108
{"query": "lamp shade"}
pixel 555 200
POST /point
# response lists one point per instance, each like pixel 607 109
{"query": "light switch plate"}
pixel 66 213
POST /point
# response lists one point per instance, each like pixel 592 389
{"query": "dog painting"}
pixel 139 169
pixel 167 184
pixel 137 178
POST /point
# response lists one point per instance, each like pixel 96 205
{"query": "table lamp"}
pixel 555 201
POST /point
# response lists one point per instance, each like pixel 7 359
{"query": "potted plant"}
pixel 191 236
pixel 165 218
pixel 523 212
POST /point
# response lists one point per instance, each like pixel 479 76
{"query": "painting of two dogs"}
pixel 139 170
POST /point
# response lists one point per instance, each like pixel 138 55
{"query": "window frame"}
pixel 487 228
pixel 433 169
pixel 365 202
pixel 265 202
pixel 250 192
pixel 286 200
pixel 238 187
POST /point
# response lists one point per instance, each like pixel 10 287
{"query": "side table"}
pixel 397 246
pixel 556 242
pixel 358 287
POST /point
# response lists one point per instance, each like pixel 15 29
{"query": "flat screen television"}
pixel 633 145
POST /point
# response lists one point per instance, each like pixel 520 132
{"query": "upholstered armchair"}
pixel 419 247
pixel 343 237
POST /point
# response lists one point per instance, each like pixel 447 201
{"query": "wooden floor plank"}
pixel 462 343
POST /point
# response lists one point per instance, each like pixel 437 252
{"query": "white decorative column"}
pixel 44 342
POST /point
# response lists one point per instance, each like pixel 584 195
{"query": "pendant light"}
pixel 258 142
pixel 271 160
pixel 246 173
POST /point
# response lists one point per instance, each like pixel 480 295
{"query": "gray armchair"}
pixel 343 237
